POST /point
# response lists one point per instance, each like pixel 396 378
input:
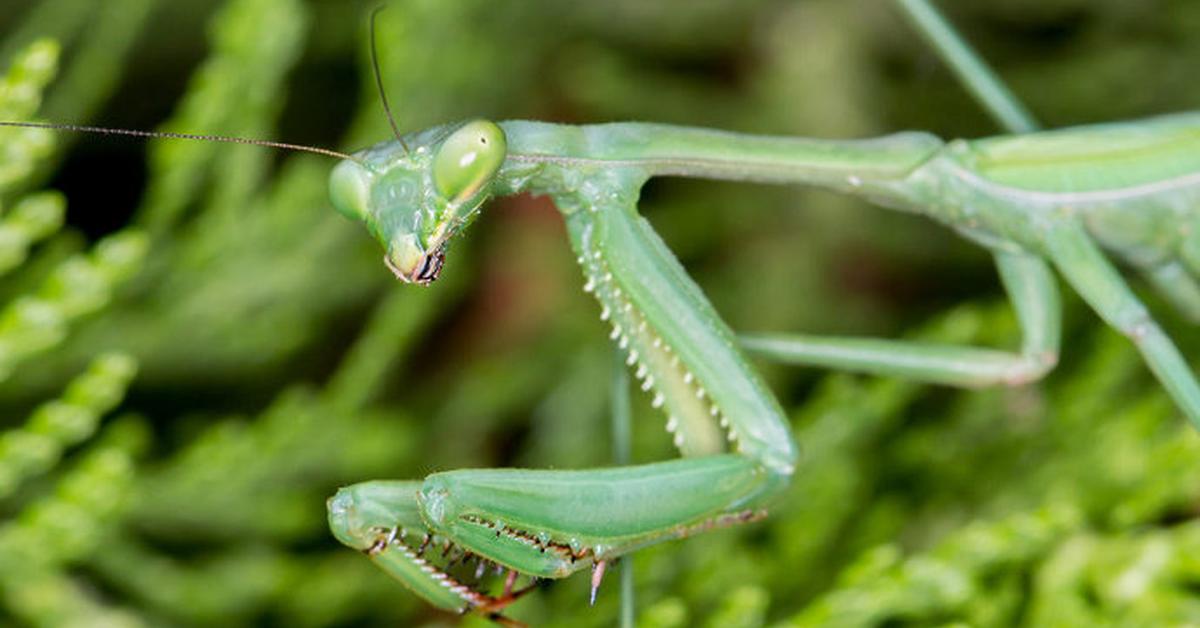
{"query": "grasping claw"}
pixel 597 576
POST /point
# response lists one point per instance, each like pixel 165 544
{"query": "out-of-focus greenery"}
pixel 195 351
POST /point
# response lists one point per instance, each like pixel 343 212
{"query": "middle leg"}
pixel 1034 295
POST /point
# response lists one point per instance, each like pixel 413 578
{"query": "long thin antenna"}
pixel 77 128
pixel 387 109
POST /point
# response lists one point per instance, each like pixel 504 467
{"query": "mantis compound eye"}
pixel 468 159
pixel 350 190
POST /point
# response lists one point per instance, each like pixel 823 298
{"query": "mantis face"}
pixel 414 200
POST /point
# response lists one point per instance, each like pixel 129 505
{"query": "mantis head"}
pixel 414 200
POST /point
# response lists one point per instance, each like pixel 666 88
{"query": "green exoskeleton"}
pixel 1059 199
pixel 548 524
pixel 1053 199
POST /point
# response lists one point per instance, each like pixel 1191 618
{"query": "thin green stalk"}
pixel 622 422
pixel 976 76
pixel 622 429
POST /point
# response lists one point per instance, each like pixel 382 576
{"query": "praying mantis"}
pixel 1037 201
pixel 1130 188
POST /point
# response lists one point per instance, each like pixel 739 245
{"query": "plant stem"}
pixel 622 425
pixel 976 76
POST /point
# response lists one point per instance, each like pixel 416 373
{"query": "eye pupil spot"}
pixel 468 159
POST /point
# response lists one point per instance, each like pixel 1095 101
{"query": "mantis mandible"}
pixel 1038 201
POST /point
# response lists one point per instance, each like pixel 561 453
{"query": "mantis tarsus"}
pixel 1054 199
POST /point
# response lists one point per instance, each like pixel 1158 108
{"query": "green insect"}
pixel 1059 199
pixel 1055 198
pixel 1036 200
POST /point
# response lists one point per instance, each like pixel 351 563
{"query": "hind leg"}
pixel 1179 288
pixel 1096 280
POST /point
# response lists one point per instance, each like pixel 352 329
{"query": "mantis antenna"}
pixel 100 130
pixel 387 109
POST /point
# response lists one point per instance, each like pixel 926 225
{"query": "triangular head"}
pixel 415 198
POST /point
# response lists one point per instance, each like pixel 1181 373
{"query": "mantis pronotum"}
pixel 1055 197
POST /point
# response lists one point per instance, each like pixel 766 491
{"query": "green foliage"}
pixel 20 95
pixel 276 359
pixel 79 286
pixel 36 217
pixel 58 424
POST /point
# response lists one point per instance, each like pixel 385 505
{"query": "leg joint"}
pixel 1031 367
pixel 1135 324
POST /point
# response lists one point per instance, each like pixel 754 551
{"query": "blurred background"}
pixel 195 351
